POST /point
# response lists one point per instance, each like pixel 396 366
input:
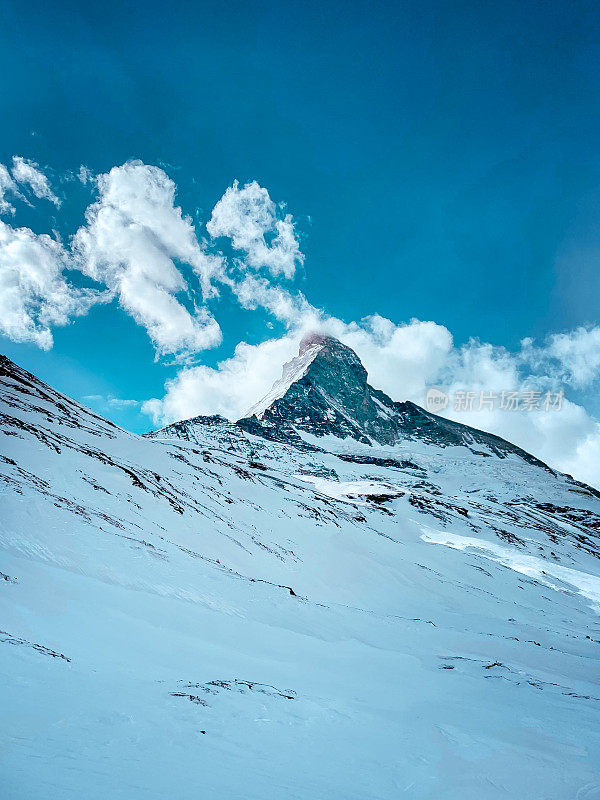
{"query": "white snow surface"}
pixel 233 618
pixel 538 568
pixel 352 491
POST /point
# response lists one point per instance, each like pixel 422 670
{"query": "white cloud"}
pixel 582 459
pixel 230 388
pixel 34 295
pixel 254 292
pixel 85 175
pixel 249 218
pixel 572 357
pixel 136 240
pixel 133 236
pixel 7 185
pixel 402 360
pixel 27 172
pixel 566 439
pixel 111 402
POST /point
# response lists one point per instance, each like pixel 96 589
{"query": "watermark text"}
pixel 437 400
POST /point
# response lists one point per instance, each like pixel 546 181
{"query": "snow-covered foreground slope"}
pixel 208 614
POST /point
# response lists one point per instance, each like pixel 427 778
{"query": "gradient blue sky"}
pixel 441 159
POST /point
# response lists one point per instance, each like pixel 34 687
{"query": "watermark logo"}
pixel 463 400
pixel 436 400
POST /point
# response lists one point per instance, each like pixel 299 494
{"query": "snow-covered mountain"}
pixel 339 596
pixel 324 392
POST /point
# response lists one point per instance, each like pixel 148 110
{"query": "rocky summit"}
pixel 340 596
pixel 324 391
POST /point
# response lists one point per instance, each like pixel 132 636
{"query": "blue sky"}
pixel 441 160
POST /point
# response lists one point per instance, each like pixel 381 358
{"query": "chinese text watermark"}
pixel 437 400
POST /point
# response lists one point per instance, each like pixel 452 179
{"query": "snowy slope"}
pixel 209 613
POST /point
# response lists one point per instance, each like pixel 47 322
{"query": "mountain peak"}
pixel 323 356
pixel 321 341
pixel 314 339
pixel 324 391
pixel 337 354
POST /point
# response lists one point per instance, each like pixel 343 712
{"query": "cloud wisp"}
pixel 111 402
pixel 7 187
pixel 28 173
